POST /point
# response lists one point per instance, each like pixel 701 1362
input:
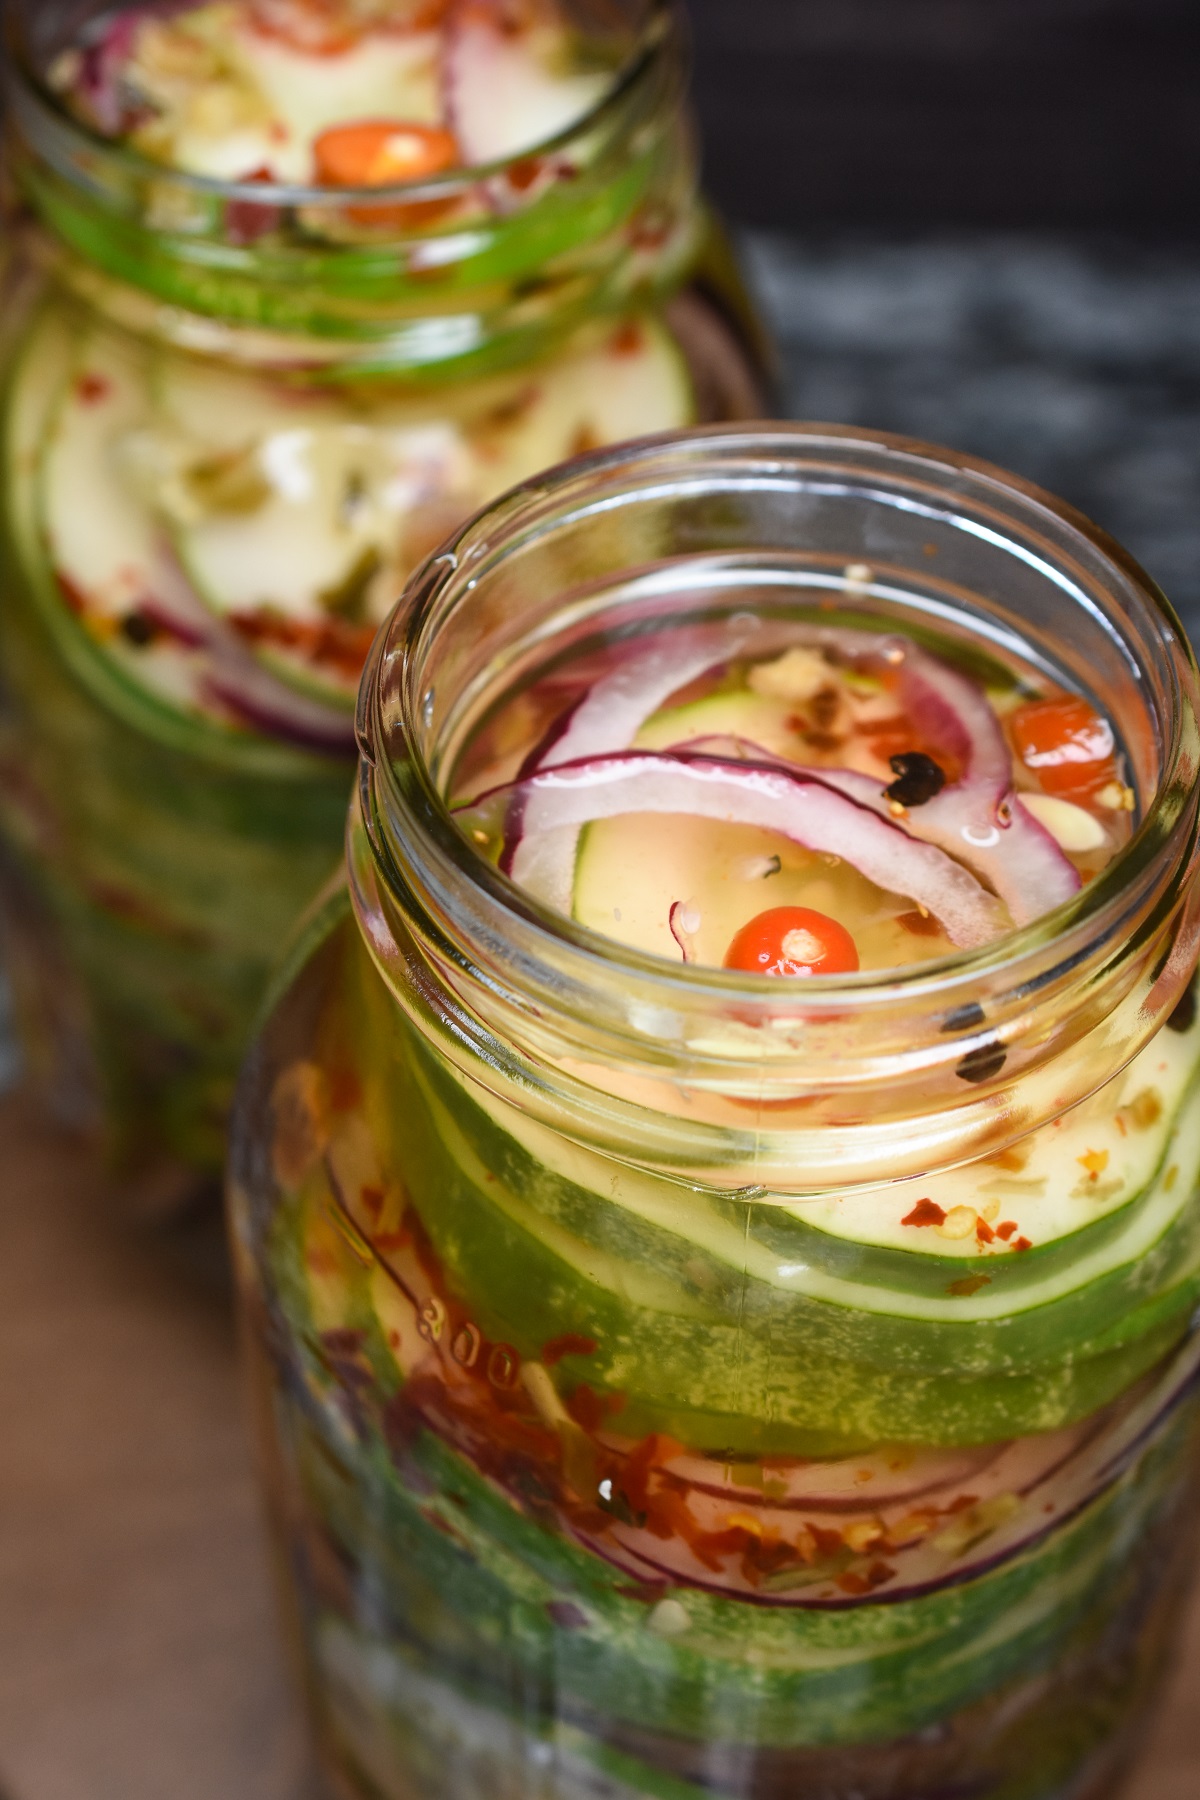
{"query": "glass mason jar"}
pixel 613 1446
pixel 235 417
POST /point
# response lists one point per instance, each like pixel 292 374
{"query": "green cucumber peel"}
pixel 471 1576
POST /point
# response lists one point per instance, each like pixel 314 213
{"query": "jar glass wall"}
pixel 636 1418
pixel 237 413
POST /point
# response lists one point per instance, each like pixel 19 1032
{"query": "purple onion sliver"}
pixel 274 713
pixel 810 813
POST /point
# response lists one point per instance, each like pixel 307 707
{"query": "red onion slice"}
pixel 974 1519
pixel 951 707
pixel 106 57
pixel 677 919
pixel 613 711
pixel 542 860
pixel 1016 854
pixel 979 818
pixel 499 101
pixel 227 675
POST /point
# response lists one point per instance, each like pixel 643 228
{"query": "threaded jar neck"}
pixel 472 270
pixel 886 1067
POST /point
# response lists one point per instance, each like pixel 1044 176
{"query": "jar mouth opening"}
pixel 1096 922
pixel 652 37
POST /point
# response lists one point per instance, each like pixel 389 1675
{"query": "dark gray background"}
pixel 965 112
pixel 975 221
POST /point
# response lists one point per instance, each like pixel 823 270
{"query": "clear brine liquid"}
pixel 998 776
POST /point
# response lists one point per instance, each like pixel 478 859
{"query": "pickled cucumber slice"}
pixel 299 517
pixel 736 1327
pixel 633 384
pixel 226 97
pixel 471 1565
pixel 104 545
pixel 387 75
pixel 227 100
pixel 489 1577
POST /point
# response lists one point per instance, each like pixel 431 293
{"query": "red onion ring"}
pixel 1046 1480
pixel 540 857
pixel 980 818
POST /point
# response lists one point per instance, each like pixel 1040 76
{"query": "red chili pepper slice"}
pixel 1066 743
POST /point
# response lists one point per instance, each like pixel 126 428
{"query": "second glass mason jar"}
pixel 629 1429
pixel 236 414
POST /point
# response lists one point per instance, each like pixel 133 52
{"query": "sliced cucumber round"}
pixel 459 1563
pixel 388 75
pixel 734 1327
pixel 114 592
pixel 104 545
pixel 298 517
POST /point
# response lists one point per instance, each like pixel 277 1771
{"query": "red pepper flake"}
pixel 387 1242
pixel 1006 1230
pixel 330 643
pixel 570 1344
pixel 984 1232
pixel 1014 1160
pixel 91 389
pixel 345 1090
pixel 1023 1243
pixel 1095 1162
pixel 628 340
pixel 248 220
pixel 971 1284
pixel 73 594
pixel 857 1584
pixel 925 1212
pixel 372 1199
pixel 523 174
pixel 643 1461
pixel 919 924
pixel 586 1407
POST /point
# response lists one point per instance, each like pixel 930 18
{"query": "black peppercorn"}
pixel 982 1063
pixel 139 630
pixel 919 779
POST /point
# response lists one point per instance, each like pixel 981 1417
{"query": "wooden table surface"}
pixel 138 1654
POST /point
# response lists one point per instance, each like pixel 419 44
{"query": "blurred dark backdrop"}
pixel 952 112
pixel 975 222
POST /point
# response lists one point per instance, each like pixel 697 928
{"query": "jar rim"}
pixel 683 1066
pixel 660 29
pixel 1095 913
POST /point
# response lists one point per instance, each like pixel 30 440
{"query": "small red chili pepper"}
pixel 793 940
